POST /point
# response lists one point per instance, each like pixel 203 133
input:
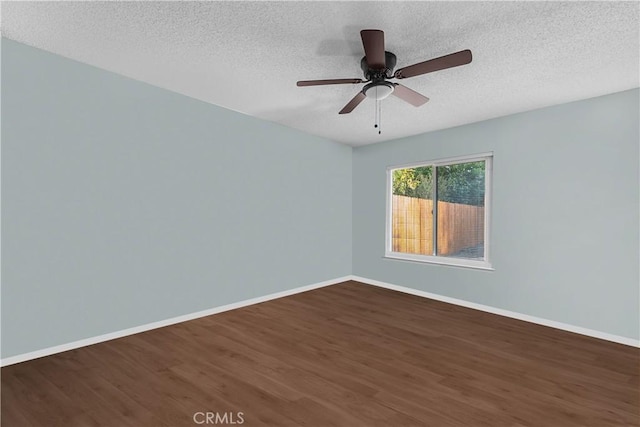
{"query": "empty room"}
pixel 320 214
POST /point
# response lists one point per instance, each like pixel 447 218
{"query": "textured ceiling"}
pixel 247 56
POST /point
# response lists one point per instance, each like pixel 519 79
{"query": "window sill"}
pixel 444 261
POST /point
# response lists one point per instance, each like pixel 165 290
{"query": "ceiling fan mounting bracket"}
pixel 376 75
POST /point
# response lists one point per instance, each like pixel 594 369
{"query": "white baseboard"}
pixel 551 323
pixel 162 323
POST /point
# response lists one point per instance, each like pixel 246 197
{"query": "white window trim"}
pixel 441 260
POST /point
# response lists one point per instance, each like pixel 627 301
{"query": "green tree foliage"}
pixel 413 182
pixel 459 183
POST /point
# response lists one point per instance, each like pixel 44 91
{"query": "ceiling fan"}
pixel 378 65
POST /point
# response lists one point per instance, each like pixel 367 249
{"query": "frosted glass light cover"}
pixel 379 92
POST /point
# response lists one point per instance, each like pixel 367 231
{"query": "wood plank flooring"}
pixel 345 355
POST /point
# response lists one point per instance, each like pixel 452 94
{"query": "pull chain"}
pixel 378 114
pixel 375 120
pixel 379 117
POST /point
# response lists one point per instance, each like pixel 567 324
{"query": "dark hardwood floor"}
pixel 345 355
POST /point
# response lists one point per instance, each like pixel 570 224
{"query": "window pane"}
pixel 460 213
pixel 412 210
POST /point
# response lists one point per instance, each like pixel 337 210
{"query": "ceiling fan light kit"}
pixel 378 91
pixel 377 66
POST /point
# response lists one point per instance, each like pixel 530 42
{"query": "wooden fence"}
pixel 459 226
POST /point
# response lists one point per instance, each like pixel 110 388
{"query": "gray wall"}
pixel 565 228
pixel 124 204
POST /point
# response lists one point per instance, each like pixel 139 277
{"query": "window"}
pixel 439 211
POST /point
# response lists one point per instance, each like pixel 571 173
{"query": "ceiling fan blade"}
pixel 328 82
pixel 353 103
pixel 448 61
pixel 373 42
pixel 409 95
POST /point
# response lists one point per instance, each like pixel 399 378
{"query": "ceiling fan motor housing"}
pixel 380 74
